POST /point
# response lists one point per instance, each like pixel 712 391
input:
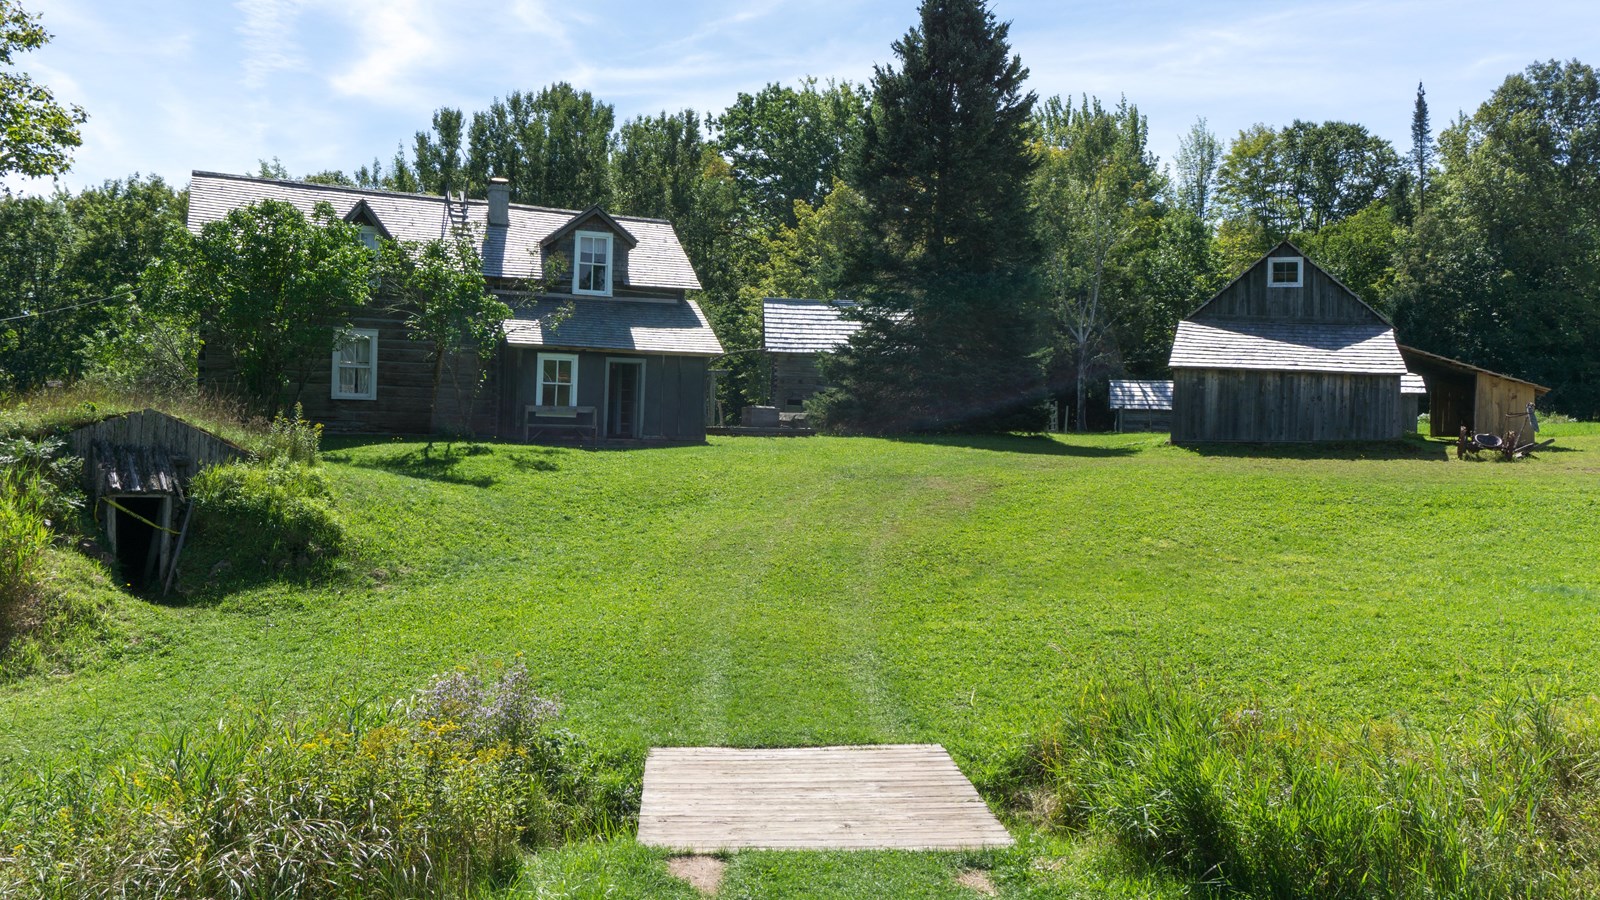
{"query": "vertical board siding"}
pixel 1320 299
pixel 154 430
pixel 1220 405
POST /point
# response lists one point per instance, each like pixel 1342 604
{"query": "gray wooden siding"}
pixel 405 381
pixel 674 392
pixel 795 378
pixel 1320 299
pixel 1215 405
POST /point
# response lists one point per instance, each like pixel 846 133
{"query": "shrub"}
pixel 292 439
pixel 1273 805
pixel 360 802
pixel 276 513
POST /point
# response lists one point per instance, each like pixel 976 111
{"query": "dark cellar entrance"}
pixel 138 544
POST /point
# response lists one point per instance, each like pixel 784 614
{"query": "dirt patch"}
pixel 704 873
pixel 979 881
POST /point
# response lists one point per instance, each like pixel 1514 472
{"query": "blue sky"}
pixel 176 86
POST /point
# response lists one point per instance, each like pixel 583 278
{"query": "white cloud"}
pixel 268 37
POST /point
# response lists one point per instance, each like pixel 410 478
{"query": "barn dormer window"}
pixel 1283 271
pixel 591 272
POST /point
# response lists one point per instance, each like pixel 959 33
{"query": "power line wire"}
pixel 46 312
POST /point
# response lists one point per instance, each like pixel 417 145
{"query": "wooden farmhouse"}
pixel 793 334
pixel 1286 353
pixel 1465 396
pixel 1142 405
pixel 613 349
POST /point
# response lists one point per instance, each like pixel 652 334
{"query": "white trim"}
pixel 1299 271
pixel 577 264
pixel 538 377
pixel 638 425
pixel 371 393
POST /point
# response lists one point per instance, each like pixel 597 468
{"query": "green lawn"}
pixel 826 590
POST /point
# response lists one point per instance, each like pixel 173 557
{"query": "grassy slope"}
pixel 827 590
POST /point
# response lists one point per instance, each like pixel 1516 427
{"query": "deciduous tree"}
pixel 37 133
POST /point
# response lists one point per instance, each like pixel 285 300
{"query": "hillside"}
pixel 763 592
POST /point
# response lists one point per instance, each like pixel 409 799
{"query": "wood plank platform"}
pixel 888 797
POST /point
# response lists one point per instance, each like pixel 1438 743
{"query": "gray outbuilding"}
pixel 1286 353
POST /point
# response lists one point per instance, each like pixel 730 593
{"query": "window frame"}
pixel 539 382
pixel 371 393
pixel 1299 271
pixel 370 235
pixel 577 261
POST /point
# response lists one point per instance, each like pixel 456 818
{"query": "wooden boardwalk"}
pixel 894 797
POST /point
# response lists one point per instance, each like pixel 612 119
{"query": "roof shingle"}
pixel 805 326
pixel 1219 344
pixel 675 328
pixel 1141 394
pixel 658 261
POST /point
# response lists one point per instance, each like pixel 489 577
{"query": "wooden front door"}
pixel 624 397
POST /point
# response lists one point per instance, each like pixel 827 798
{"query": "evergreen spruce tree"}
pixel 952 309
pixel 1421 145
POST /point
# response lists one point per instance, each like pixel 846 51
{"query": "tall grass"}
pixel 416 799
pixel 1264 804
pixel 271 514
pixel 24 537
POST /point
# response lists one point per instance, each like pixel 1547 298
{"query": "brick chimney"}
pixel 499 201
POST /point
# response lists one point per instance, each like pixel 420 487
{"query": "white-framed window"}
pixel 369 236
pixel 591 257
pixel 1283 271
pixel 558 379
pixel 355 366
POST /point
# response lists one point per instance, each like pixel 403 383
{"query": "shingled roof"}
pixel 1291 346
pixel 658 261
pixel 1141 394
pixel 805 326
pixel 644 326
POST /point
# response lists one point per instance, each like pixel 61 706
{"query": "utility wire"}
pixel 46 312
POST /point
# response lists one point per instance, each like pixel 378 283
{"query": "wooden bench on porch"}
pixel 576 420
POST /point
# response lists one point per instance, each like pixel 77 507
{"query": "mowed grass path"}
pixel 824 590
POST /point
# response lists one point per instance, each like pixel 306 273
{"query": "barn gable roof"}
pixel 1288 248
pixel 1291 346
pixel 790 325
pixel 509 252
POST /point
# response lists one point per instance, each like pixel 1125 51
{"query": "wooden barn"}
pixel 1285 354
pixel 793 334
pixel 1465 395
pixel 136 470
pixel 1142 405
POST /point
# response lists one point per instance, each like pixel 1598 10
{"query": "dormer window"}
pixel 1283 271
pixel 369 236
pixel 591 270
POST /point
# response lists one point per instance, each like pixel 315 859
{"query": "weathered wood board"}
pixel 890 797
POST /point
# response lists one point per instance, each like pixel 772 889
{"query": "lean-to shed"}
pixel 794 333
pixel 136 470
pixel 1142 405
pixel 1460 395
pixel 1285 353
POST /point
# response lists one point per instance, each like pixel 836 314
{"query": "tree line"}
pixel 1005 250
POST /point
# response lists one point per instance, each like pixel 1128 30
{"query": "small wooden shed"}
pixel 794 333
pixel 136 470
pixel 1142 405
pixel 1285 354
pixel 1461 394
